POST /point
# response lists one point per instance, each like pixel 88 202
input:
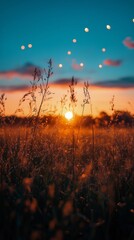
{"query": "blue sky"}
pixel 50 27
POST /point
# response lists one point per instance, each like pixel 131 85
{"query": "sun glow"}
pixel 69 115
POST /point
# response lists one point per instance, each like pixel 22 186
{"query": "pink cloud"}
pixel 14 74
pixel 110 62
pixel 76 66
pixel 128 42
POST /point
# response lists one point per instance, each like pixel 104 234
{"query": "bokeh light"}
pixel 100 65
pixel 81 64
pixel 86 29
pixel 60 65
pixel 103 49
pixel 108 27
pixel 22 47
pixel 29 45
pixel 69 52
pixel 74 40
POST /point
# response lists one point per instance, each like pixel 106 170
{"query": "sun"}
pixel 69 115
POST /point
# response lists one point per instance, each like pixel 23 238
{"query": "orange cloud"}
pixel 114 63
pixel 128 42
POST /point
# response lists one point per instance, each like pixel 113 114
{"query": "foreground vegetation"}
pixel 65 184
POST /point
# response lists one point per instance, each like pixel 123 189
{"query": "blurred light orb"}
pixel 100 65
pixel 103 49
pixel 69 115
pixel 133 20
pixel 108 27
pixel 69 52
pixel 81 64
pixel 22 47
pixel 60 65
pixel 86 29
pixel 74 40
pixel 30 45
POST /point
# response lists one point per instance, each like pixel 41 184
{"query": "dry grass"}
pixel 82 182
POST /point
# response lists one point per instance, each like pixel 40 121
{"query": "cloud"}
pixel 14 88
pixel 76 66
pixel 24 72
pixel 60 83
pixel 64 82
pixel 128 42
pixel 114 63
pixel 121 83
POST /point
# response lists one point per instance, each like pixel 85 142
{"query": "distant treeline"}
pixel 118 118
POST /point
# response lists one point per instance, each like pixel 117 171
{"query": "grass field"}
pixel 67 183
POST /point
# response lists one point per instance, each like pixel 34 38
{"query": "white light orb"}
pixel 74 40
pixel 86 29
pixel 22 47
pixel 100 65
pixel 30 45
pixel 81 64
pixel 108 27
pixel 69 53
pixel 103 49
pixel 60 65
pixel 69 115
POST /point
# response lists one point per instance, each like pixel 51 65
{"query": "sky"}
pixel 90 40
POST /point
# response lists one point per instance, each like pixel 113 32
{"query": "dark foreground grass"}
pixel 61 185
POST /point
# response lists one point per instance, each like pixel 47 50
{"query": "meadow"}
pixel 62 179
pixel 67 183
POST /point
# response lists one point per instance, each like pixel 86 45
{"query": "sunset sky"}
pixel 90 40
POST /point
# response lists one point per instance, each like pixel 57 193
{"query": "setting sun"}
pixel 69 115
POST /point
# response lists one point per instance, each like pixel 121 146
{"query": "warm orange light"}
pixel 69 115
